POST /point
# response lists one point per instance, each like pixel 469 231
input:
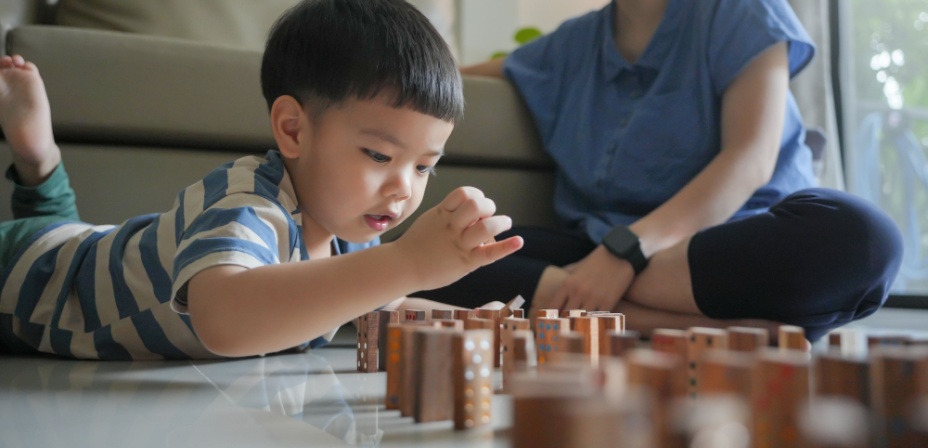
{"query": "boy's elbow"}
pixel 215 338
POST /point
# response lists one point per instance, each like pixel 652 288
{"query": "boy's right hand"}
pixel 456 237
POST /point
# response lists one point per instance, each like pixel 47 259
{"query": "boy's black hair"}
pixel 324 52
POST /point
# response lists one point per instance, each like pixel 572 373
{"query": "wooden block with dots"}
pixel 394 351
pixel 780 387
pixel 473 381
pixel 547 335
pixel 673 342
pixel 699 340
pixel 434 397
pixel 510 326
pixel 496 316
pixel 414 315
pixel 372 338
pixel 747 339
pixel 725 372
pixel 408 372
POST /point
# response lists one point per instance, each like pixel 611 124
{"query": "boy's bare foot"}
pixel 25 118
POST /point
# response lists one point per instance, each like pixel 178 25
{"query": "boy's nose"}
pixel 399 186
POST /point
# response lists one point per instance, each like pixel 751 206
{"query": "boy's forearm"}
pixel 240 312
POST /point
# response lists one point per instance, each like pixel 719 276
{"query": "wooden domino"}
pixel 588 328
pixel 434 394
pixel 523 350
pixel 547 334
pixel 463 315
pixel 473 380
pixel 414 315
pixel 548 314
pixel 442 314
pixel 667 340
pixel 780 387
pixel 894 389
pixel 840 376
pixel 372 338
pixel 673 342
pixel 896 340
pixel 791 337
pixel 510 326
pixel 453 324
pixel 655 372
pixel 476 323
pixel 747 339
pixel 725 372
pixel 570 342
pixel 617 344
pixel 571 313
pixel 496 316
pixel 394 351
pixel 699 340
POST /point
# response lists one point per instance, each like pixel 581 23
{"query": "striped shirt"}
pixel 119 292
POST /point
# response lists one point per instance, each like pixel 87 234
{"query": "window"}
pixel 884 105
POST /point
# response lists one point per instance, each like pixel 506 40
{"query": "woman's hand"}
pixel 595 283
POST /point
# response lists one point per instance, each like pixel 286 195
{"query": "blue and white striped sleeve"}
pixel 243 229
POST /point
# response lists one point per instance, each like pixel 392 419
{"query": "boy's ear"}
pixel 290 125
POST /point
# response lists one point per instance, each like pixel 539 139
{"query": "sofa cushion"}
pixel 241 23
pixel 109 87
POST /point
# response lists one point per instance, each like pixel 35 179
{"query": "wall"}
pixel 487 26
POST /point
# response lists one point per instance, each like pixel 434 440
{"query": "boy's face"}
pixel 363 168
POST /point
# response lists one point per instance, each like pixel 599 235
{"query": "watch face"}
pixel 621 241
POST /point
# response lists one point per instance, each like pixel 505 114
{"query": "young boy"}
pixel 363 95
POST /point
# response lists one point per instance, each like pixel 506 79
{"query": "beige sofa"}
pixel 140 116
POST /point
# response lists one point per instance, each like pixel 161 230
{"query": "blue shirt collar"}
pixel 654 55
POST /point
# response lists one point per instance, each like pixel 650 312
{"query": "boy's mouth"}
pixel 378 222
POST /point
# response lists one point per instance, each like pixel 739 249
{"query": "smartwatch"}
pixel 624 244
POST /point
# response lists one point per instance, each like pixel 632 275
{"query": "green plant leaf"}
pixel 527 34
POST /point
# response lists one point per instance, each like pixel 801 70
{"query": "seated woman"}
pixel 684 187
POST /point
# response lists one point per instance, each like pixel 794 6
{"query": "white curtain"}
pixel 814 93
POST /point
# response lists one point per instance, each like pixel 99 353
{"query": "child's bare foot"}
pixel 25 118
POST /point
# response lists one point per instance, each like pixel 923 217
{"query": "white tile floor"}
pixel 305 400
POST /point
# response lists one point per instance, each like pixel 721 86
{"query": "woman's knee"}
pixel 860 246
pixel 856 232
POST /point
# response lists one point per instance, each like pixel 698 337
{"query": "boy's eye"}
pixel 425 169
pixel 376 156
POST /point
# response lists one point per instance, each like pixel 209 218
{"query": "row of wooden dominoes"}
pixel 705 384
pixel 439 368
